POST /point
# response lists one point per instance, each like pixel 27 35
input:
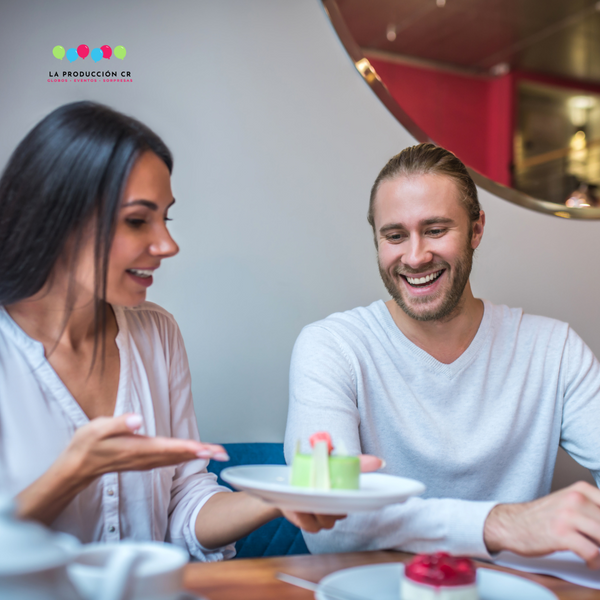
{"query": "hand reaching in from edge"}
pixel 370 463
pixel 565 520
pixel 314 522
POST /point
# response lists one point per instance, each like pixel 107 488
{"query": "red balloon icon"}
pixel 107 51
pixel 83 50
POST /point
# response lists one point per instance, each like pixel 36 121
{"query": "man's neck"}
pixel 446 339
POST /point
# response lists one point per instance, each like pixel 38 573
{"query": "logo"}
pixel 103 74
pixel 83 51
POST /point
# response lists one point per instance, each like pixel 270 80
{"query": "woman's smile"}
pixel 142 277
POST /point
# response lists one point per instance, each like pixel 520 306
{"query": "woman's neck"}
pixel 48 317
pixel 87 361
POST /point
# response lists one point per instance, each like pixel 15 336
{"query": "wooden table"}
pixel 254 578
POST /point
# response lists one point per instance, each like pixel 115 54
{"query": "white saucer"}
pixel 270 482
pixel 382 582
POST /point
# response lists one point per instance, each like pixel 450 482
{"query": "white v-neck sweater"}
pixel 482 430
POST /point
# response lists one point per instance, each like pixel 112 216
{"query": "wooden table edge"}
pixel 254 578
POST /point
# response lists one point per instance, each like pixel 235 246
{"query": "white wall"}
pixel 276 141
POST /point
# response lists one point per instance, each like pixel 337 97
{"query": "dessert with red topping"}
pixel 323 471
pixel 439 576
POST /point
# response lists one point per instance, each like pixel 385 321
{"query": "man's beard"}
pixel 460 276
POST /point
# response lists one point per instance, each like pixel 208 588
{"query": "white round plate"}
pixel 382 582
pixel 270 482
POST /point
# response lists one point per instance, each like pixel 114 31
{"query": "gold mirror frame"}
pixel 368 73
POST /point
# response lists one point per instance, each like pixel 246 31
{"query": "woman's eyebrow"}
pixel 147 203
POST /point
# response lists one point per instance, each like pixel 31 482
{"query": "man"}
pixel 471 398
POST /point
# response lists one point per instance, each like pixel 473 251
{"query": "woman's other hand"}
pixel 228 517
pixel 311 522
pixel 314 522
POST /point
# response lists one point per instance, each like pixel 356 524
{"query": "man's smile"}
pixel 423 280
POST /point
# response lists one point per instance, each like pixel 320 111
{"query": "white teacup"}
pixel 129 571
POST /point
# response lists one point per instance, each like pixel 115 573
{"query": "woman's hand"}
pixel 109 444
pixel 104 445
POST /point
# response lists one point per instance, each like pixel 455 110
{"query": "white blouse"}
pixel 38 417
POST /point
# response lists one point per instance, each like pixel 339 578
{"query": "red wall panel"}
pixel 472 116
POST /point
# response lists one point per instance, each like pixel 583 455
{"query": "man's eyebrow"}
pixel 436 220
pixel 390 227
pixel 147 203
pixel 424 222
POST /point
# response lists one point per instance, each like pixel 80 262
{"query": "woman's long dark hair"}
pixel 68 173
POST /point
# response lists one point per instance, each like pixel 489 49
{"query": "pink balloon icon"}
pixel 83 50
pixel 107 51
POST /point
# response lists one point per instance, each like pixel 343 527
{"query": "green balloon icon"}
pixel 120 52
pixel 59 52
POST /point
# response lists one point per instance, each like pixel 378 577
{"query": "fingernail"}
pixel 204 454
pixel 221 456
pixel 383 463
pixel 134 422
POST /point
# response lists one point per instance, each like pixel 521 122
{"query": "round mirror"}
pixel 512 88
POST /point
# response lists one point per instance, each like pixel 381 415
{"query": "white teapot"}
pixel 38 564
pixel 33 559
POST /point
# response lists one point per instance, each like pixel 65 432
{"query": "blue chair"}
pixel 279 537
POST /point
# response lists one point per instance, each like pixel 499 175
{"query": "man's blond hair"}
pixel 429 159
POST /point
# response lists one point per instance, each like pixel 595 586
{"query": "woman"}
pixel 98 434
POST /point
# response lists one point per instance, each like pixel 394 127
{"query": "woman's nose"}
pixel 164 246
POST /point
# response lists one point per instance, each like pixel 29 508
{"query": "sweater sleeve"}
pixel 323 396
pixel 191 485
pixel 580 431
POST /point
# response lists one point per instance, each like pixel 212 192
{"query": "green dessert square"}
pixel 344 472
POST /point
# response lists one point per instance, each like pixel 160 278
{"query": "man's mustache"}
pixel 426 269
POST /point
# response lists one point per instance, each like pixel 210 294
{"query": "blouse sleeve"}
pixel 192 485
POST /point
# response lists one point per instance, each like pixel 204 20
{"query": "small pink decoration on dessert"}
pixel 439 576
pixel 320 470
pixel 321 436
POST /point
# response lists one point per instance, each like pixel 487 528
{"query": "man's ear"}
pixel 478 227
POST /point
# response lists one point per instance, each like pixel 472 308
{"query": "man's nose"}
pixel 417 252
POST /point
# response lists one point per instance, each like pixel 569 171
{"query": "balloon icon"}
pixel 71 55
pixel 59 52
pixel 97 54
pixel 83 50
pixel 120 52
pixel 107 51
